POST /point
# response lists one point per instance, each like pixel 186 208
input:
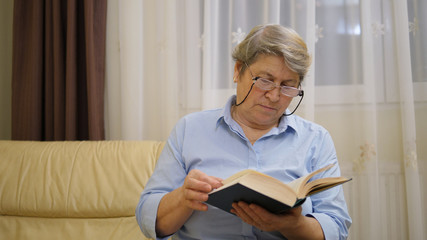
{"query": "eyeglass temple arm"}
pixel 302 96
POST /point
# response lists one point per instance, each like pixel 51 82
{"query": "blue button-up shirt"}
pixel 214 143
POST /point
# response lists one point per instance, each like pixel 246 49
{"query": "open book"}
pixel 270 193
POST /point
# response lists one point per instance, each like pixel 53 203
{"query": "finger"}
pixel 219 180
pixel 214 182
pixel 236 209
pixel 249 211
pixel 251 216
pixel 192 195
pixel 268 221
pixel 239 209
pixel 261 213
pixel 196 205
pixel 197 185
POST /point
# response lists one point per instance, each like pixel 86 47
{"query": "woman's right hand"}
pixel 177 206
pixel 195 189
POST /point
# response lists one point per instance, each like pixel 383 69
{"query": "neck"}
pixel 252 131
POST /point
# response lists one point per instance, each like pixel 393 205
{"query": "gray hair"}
pixel 272 39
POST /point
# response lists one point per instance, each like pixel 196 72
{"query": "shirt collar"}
pixel 284 123
pixel 226 111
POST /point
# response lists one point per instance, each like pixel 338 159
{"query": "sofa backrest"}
pixel 73 189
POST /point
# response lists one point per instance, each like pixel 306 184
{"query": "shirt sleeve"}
pixel 168 175
pixel 329 207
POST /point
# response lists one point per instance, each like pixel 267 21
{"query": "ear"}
pixel 237 68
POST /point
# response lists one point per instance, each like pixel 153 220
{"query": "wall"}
pixel 6 19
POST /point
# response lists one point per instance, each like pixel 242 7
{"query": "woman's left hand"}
pixel 266 221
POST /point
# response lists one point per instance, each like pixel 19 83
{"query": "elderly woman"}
pixel 254 130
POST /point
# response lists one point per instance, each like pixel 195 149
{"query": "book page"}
pixel 271 187
pixel 323 184
pixel 240 174
pixel 237 177
pixel 299 184
pixel 295 184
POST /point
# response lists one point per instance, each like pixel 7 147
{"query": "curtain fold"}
pixel 407 104
pixel 58 70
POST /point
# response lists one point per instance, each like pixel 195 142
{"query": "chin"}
pixel 267 121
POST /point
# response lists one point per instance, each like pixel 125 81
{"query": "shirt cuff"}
pixel 149 215
pixel 327 224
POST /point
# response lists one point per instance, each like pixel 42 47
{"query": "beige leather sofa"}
pixel 73 190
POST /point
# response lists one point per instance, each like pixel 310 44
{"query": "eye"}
pixel 290 83
pixel 265 81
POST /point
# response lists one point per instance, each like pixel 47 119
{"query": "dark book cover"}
pixel 224 198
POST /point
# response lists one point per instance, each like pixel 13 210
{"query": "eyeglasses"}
pixel 268 85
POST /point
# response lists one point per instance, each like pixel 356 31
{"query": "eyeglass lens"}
pixel 267 85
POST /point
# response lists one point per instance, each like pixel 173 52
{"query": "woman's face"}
pixel 263 109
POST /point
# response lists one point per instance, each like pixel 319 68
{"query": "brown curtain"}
pixel 58 69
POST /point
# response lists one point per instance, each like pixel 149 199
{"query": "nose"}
pixel 273 94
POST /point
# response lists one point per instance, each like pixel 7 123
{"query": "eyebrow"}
pixel 269 75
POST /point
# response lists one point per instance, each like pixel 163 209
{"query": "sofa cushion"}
pixel 73 184
pixel 20 228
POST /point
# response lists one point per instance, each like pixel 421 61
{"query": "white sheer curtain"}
pixel 367 86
